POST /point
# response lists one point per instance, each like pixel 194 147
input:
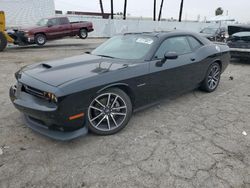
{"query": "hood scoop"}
pixel 83 67
pixel 46 66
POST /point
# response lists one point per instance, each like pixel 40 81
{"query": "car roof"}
pixel 161 35
pixel 164 34
pixel 55 17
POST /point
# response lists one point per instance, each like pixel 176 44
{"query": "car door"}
pixel 55 30
pixel 65 27
pixel 176 75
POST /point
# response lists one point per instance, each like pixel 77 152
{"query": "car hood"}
pixel 241 37
pixel 232 29
pixel 241 34
pixel 58 72
pixel 29 29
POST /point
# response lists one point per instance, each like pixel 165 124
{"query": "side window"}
pixel 63 21
pixel 194 43
pixel 54 21
pixel 179 45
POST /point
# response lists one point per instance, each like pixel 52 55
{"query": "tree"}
pixel 101 7
pixel 219 11
pixel 125 9
pixel 159 17
pixel 181 9
pixel 154 10
pixel 112 10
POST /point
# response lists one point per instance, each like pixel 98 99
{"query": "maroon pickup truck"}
pixel 51 29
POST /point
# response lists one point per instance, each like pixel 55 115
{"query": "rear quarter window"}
pixel 194 43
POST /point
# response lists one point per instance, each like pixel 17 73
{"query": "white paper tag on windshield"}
pixel 144 40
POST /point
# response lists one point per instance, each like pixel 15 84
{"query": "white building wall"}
pixel 21 13
pixel 108 27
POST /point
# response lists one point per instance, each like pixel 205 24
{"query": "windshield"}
pixel 209 30
pixel 125 47
pixel 42 22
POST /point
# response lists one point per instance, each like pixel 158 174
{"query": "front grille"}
pixel 33 91
pixel 40 122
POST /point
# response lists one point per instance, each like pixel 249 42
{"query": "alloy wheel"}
pixel 41 40
pixel 83 33
pixel 107 112
pixel 214 77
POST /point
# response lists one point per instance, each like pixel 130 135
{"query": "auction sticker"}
pixel 145 40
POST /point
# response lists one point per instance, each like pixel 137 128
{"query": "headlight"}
pixel 26 33
pixel 51 97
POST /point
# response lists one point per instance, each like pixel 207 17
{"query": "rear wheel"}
pixel 40 39
pixel 83 33
pixel 3 41
pixel 212 78
pixel 109 112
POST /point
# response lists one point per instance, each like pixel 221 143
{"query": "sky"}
pixel 238 9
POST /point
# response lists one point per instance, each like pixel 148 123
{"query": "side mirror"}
pixel 168 55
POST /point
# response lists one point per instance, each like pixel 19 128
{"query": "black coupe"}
pixel 98 91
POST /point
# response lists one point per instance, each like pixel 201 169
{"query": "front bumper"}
pixel 240 53
pixel 54 134
pixel 45 118
pixel 20 38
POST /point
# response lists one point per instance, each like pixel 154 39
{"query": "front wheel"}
pixel 83 33
pixel 109 112
pixel 40 39
pixel 212 78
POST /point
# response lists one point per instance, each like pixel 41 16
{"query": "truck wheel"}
pixel 40 39
pixel 83 33
pixel 3 42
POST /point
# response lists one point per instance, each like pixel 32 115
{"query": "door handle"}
pixel 192 59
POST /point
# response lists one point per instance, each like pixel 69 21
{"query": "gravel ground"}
pixel 195 140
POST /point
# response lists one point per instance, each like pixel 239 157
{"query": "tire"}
pixel 109 112
pixel 83 33
pixel 3 42
pixel 40 39
pixel 212 79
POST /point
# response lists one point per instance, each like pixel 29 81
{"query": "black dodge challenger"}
pixel 98 91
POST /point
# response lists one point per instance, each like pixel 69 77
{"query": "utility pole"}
pixel 154 10
pixel 125 9
pixel 112 10
pixel 159 18
pixel 181 9
pixel 101 6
